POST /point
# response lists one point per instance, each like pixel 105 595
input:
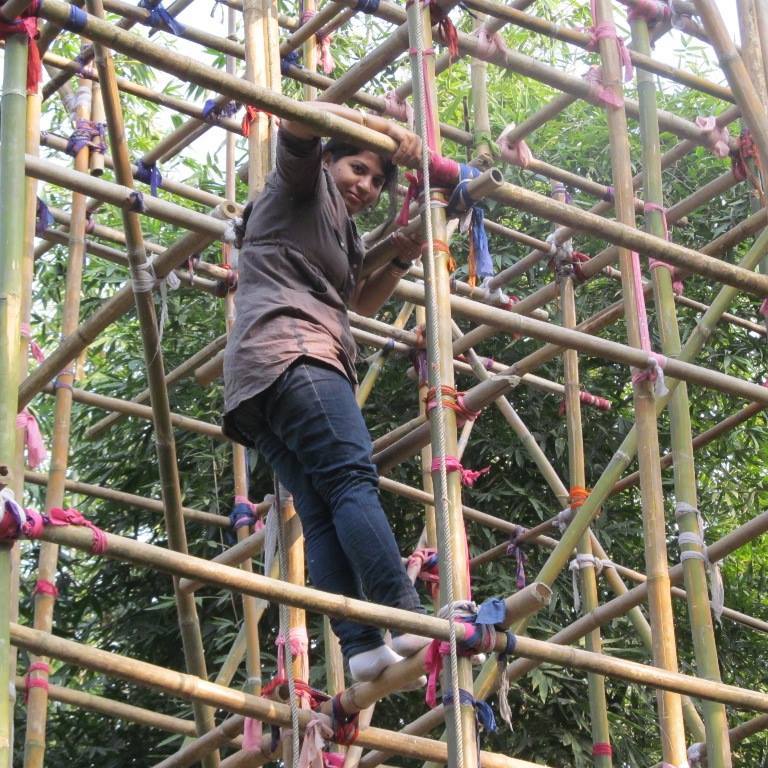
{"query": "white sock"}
pixel 409 644
pixel 368 665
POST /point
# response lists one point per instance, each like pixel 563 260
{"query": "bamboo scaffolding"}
pixel 44 600
pixel 12 220
pixel 686 496
pixel 189 625
pixel 180 565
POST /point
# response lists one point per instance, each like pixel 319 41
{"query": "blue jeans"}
pixel 309 428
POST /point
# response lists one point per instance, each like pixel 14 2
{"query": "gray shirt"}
pixel 298 269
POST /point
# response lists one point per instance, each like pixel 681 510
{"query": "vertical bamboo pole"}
pixel 27 275
pixel 166 447
pixel 654 529
pixel 578 480
pixel 430 517
pixel 251 611
pixel 453 583
pixel 309 50
pixel 705 648
pixel 13 107
pixel 481 132
pixel 37 701
pixel 96 162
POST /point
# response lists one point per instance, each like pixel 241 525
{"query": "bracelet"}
pixel 400 264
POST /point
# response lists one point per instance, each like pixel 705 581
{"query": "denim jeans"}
pixel 309 428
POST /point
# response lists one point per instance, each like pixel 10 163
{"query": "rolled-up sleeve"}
pixel 298 164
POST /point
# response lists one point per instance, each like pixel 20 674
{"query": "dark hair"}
pixel 339 148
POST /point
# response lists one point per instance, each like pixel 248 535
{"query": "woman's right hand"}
pixel 408 152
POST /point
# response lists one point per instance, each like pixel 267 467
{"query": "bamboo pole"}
pixel 44 600
pixel 699 613
pixel 166 449
pixel 451 536
pixel 179 564
pixel 12 219
pixel 195 689
pixel 578 482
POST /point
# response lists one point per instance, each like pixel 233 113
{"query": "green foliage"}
pixel 131 611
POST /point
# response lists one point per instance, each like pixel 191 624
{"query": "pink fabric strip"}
pixel 606 30
pixel 598 92
pixel 252 732
pixel 33 438
pixel 716 138
pixel 43 587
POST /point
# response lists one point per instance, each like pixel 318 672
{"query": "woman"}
pixel 289 366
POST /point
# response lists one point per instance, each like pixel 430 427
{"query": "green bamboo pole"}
pixel 166 450
pixel 12 220
pixel 452 552
pixel 37 701
pixel 578 482
pixel 700 616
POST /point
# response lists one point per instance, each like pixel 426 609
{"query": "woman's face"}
pixel 359 178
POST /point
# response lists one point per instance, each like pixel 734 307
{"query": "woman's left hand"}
pixel 408 152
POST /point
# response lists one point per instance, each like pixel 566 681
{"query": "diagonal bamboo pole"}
pixel 12 219
pixel 166 449
pixel 44 600
pixel 700 617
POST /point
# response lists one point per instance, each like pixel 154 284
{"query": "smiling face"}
pixel 359 178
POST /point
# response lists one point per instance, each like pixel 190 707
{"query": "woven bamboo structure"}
pixel 643 256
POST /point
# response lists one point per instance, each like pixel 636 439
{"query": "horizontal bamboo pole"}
pixel 120 710
pixel 177 374
pixel 256 585
pixel 194 689
pixel 123 197
pixel 137 410
pixel 727 317
pixel 112 309
pixel 129 499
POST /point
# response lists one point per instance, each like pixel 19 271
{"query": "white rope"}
pixel 584 560
pixel 696 539
pixel 441 496
pixel 696 754
pixel 563 518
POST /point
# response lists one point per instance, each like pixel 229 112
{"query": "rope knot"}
pixel 717 139
pixel 515 549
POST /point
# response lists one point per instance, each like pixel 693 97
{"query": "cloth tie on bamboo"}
pixel 34 348
pixel 346 727
pixel 489 43
pixel 333 759
pixel 33 681
pixel 33 438
pixel 426 561
pixel 606 30
pixel 43 218
pixel 696 754
pixel 87 133
pixel 677 281
pixel 144 280
pixel 316 734
pixel 26 24
pixel 397 108
pixel 445 26
pixel 515 549
pixel 245 514
pixel 250 115
pixel 366 6
pixel 17 522
pixel 715 138
pixel 742 160
pixel 485 722
pixel 451 398
pixel 149 173
pixel 650 11
pixel 298 647
pixel 77 20
pixel 514 152
pixel 480 627
pixel 291 59
pixel 252 734
pixel 452 464
pixel 472 220
pixel 45 587
pixel 323 41
pixel 584 560
pixel 598 91
pixel 699 552
pixel 602 749
pixel 213 110
pixel 655 370
pixel 159 18
pixel 587 398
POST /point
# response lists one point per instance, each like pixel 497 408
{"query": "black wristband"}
pixel 400 264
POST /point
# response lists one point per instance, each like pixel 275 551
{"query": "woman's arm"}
pixel 378 286
pixel 408 151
